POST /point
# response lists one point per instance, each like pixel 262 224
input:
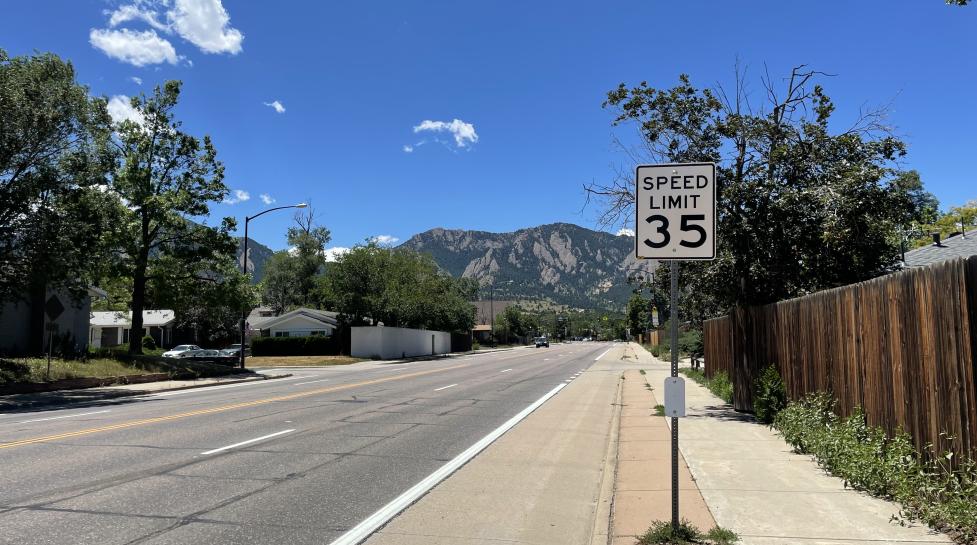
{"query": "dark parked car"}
pixel 542 341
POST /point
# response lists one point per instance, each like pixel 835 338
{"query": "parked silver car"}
pixel 181 351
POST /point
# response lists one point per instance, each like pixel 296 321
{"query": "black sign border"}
pixel 714 214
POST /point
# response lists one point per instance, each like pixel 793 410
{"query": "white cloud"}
pixel 408 148
pixel 205 24
pixel 120 109
pixel 136 12
pixel 240 195
pixel 333 253
pixel 136 79
pixel 385 239
pixel 276 105
pixel 136 48
pixel 266 198
pixel 464 133
pixel 625 231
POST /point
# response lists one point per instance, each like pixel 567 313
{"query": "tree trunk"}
pixel 138 302
pixel 139 288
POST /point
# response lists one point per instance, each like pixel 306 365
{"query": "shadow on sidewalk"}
pixel 724 413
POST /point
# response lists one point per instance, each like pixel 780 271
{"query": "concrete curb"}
pixel 602 533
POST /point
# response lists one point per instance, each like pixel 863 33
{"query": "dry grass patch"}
pixel 299 361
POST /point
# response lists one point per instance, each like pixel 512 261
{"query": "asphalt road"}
pixel 296 460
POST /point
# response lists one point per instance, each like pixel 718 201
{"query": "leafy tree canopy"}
pixel 400 288
pixel 802 207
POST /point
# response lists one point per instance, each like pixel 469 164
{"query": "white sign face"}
pixel 676 211
pixel 675 397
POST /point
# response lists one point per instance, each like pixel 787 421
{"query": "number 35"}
pixel 686 226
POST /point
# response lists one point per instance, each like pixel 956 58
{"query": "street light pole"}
pixel 244 269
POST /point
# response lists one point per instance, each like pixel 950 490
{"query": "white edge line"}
pixel 505 370
pixel 58 417
pixel 445 387
pixel 369 525
pixel 602 354
pixel 248 442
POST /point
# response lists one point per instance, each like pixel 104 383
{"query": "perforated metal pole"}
pixel 673 350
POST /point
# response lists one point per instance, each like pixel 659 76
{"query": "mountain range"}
pixel 561 263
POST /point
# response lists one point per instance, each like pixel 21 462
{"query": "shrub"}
pixel 14 371
pixel 929 489
pixel 295 346
pixel 662 533
pixel 769 395
pixel 149 343
pixel 690 343
pixel 719 384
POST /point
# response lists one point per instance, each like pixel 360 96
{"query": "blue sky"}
pixel 525 80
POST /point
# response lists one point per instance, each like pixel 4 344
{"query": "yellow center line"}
pixel 222 408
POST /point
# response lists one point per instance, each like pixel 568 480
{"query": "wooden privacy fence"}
pixel 903 347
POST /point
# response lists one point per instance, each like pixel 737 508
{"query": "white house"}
pixel 301 322
pixel 111 328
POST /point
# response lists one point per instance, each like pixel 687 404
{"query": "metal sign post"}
pixel 675 207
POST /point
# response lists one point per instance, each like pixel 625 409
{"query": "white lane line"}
pixel 546 359
pixel 205 389
pixel 310 382
pixel 59 417
pixel 363 530
pixel 445 387
pixel 248 442
pixel 505 370
pixel 603 353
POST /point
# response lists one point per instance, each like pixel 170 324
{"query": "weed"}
pixel 769 395
pixel 928 488
pixel 719 384
pixel 659 410
pixel 661 533
pixel 722 536
pixel 642 372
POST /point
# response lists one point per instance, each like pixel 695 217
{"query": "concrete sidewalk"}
pixel 756 486
pixel 643 487
pixel 545 482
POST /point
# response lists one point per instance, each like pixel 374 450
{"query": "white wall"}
pixel 396 342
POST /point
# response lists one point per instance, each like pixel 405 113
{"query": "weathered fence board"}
pixel 903 347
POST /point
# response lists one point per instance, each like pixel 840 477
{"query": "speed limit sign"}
pixel 676 211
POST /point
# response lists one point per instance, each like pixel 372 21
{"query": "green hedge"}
pixel 295 346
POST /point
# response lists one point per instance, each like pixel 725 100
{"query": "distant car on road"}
pixel 542 341
pixel 181 351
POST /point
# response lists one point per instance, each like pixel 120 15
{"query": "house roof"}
pixel 323 316
pixel 950 248
pixel 482 327
pixel 112 318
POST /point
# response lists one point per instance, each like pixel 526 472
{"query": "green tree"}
pixel 54 153
pixel 308 241
pixel 280 285
pixel 166 178
pixel 638 314
pixel 801 207
pixel 397 287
